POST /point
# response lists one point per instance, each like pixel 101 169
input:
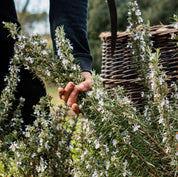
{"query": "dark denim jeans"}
pixel 73 15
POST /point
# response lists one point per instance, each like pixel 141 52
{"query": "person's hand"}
pixel 71 91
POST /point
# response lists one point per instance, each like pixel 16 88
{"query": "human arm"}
pixel 70 93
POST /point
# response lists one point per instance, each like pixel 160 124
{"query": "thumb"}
pixel 87 84
pixel 84 86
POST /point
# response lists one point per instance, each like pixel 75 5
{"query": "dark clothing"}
pixel 29 87
pixel 73 15
pixel 7 13
pixel 70 13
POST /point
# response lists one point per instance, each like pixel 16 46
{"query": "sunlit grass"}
pixel 52 91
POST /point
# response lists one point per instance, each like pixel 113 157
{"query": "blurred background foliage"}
pixel 154 11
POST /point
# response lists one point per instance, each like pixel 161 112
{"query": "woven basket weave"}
pixel 119 70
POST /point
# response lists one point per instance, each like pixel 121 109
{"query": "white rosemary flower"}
pixel 95 174
pixel 29 60
pixel 177 136
pixel 13 146
pixel 161 119
pixel 97 144
pixel 164 137
pixel 48 73
pixel 136 127
pixel 114 142
pixel 107 165
pixel 44 52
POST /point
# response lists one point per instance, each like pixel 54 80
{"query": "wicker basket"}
pixel 118 70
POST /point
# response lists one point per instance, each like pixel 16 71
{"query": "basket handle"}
pixel 113 18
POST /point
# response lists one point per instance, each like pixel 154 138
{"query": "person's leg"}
pixel 72 14
pixel 29 88
pixel 32 89
pixel 7 14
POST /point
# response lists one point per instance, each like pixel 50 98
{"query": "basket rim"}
pixel 156 29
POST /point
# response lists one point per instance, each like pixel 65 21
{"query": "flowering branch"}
pixel 111 135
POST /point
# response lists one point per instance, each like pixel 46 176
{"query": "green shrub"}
pixel 110 137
